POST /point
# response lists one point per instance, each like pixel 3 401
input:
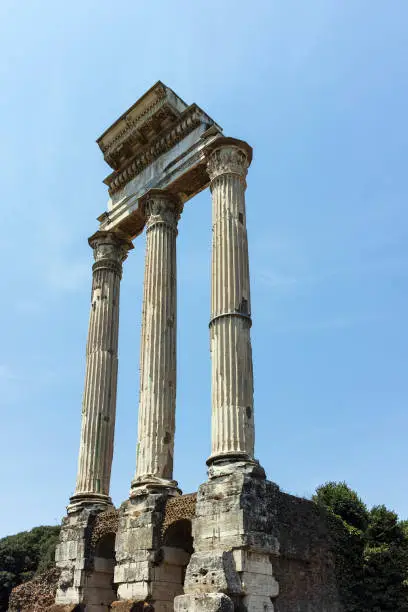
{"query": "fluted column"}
pixel 157 399
pixel 99 399
pixel 231 354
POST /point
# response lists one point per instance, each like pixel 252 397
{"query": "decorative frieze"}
pixel 166 140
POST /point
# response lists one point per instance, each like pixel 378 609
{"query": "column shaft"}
pixel 231 353
pixel 157 399
pixel 99 400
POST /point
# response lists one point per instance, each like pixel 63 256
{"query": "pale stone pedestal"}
pixel 86 578
pixel 234 537
pixel 146 571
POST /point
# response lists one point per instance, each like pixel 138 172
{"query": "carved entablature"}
pixel 156 110
pixel 159 143
pixel 192 117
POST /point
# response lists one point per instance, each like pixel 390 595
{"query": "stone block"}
pixel 175 556
pixel 258 603
pixel 103 565
pixel 70 595
pixel 135 591
pixel 65 608
pixel 165 591
pixel 248 561
pixel 131 606
pixel 132 572
pixel 167 573
pixel 142 538
pixel 210 602
pixel 218 526
pixel 98 594
pixel 164 606
pixel 259 584
pixel 212 572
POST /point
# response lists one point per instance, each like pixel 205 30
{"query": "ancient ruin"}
pixel 239 543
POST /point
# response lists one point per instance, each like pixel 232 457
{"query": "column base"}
pixel 227 463
pixel 146 485
pixel 85 500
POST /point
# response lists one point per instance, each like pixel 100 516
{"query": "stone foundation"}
pixel 237 518
pixel 235 534
pixel 148 570
pixel 85 556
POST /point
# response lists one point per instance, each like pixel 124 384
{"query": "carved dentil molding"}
pixel 190 119
pixel 228 159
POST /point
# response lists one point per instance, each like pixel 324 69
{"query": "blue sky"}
pixel 319 89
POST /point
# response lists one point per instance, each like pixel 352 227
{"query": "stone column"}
pixel 231 354
pixel 157 400
pixel 99 400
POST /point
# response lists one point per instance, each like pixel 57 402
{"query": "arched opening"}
pixel 105 547
pixel 178 535
pixel 176 549
pixel 100 586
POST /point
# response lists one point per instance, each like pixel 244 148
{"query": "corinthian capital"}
pixel 228 156
pixel 161 207
pixel 110 246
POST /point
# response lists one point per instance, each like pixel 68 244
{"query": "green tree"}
pixel 385 562
pixel 384 527
pixel 24 555
pixel 344 502
pixel 370 549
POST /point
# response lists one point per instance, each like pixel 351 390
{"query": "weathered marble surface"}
pixel 232 430
pixel 99 400
pixel 157 392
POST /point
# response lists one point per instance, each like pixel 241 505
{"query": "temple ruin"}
pixel 239 543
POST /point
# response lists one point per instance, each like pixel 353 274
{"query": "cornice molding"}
pixel 135 122
pixel 192 117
